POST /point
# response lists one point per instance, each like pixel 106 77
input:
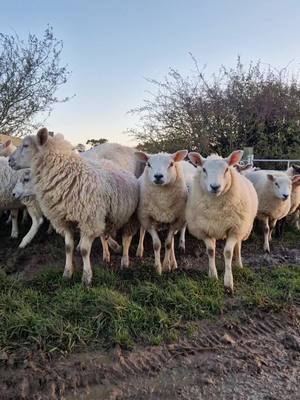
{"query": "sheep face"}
pixel 215 176
pixel 281 186
pixel 24 187
pixel 22 157
pixel 161 168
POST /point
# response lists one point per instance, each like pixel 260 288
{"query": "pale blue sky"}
pixel 110 46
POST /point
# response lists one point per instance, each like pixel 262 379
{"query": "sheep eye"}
pixel 204 170
pixel 226 170
pixel 25 145
pixel 171 164
pixel 148 165
pixel 276 184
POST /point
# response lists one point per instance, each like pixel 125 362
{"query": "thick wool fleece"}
pixel 268 204
pixel 231 213
pixel 96 197
pixel 162 204
pixel 8 180
pixel 122 156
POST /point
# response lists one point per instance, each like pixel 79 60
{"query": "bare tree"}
pixel 255 105
pixel 95 142
pixel 30 74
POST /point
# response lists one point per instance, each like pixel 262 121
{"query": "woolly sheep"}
pixel 24 191
pixel 7 148
pixel 97 198
pixel 8 180
pixel 163 195
pixel 222 205
pixel 273 190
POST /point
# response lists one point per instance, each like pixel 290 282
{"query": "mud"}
pixel 239 356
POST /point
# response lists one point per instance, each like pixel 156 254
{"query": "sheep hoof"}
pixel 139 253
pixel 158 269
pixel 125 262
pixel 181 250
pixel 267 251
pixel 22 245
pixel 86 279
pixel 14 235
pixel 228 291
pixel 67 275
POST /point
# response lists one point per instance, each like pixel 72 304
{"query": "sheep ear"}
pixel 271 177
pixel 179 155
pixel 42 136
pixel 296 180
pixel 7 143
pixel 141 156
pixel 296 168
pixel 196 158
pixel 234 157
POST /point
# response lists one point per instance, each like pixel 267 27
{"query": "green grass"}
pixel 128 307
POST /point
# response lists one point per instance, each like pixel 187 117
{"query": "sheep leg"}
pixel 228 253
pixel 105 249
pixel 140 249
pixel 237 254
pixel 14 223
pixel 173 258
pixel 24 216
pixel 126 241
pixel 69 246
pixel 266 230
pixel 85 250
pixel 8 221
pixel 114 245
pixel 156 247
pixel 297 220
pixel 210 244
pixel 37 220
pixel 182 239
pixel 272 223
pixel 168 251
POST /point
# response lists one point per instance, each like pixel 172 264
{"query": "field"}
pixel 134 335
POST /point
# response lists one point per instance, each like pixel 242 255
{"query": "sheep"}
pixel 24 191
pixel 163 196
pixel 273 190
pixel 97 198
pixel 9 179
pixel 7 148
pixel 122 156
pixel 222 205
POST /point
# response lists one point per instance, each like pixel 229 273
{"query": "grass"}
pixel 127 307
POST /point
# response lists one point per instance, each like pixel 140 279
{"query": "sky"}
pixel 111 46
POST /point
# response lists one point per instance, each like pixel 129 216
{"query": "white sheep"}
pixel 274 195
pixel 97 198
pixel 8 200
pixel 122 156
pixel 24 192
pixel 222 205
pixel 163 196
pixel 7 148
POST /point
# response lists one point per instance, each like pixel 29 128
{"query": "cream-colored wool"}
pixel 97 198
pixel 271 207
pixel 228 215
pixel 9 178
pixel 162 206
pixel 122 156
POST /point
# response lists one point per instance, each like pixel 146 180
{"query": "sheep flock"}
pixel 114 189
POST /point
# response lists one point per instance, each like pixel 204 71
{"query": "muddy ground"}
pixel 241 355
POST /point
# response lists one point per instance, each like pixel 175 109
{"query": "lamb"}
pixel 222 205
pixel 163 196
pixel 72 192
pixel 273 190
pixel 9 179
pixel 7 148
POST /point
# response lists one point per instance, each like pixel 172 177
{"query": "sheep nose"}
pixel 215 188
pixel 285 196
pixel 158 178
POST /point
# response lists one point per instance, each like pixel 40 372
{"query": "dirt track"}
pixel 237 357
pixel 241 358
